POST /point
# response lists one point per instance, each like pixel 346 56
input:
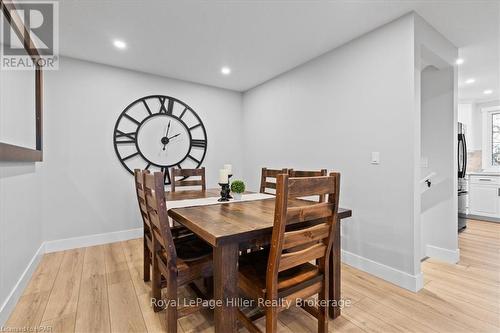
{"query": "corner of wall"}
pixel 15 294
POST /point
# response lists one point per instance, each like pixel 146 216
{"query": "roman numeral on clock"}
pixel 125 137
pixel 135 121
pixel 199 143
pixel 193 127
pixel 147 107
pixel 183 113
pixel 193 159
pixel 170 107
pixel 166 175
pixel 162 105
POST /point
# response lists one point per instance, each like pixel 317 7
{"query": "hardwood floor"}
pixel 100 289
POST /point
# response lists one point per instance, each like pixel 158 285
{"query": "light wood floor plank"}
pixel 125 312
pixel 60 312
pixel 155 321
pixel 93 307
pixel 463 272
pixel 401 322
pixel 31 306
pixel 486 290
pixel 404 305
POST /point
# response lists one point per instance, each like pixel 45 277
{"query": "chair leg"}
pixel 323 308
pixel 271 319
pixel 156 284
pixel 147 262
pixel 172 303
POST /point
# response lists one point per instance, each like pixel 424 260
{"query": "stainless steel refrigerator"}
pixel 463 193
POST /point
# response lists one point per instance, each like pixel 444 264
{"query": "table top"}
pixel 234 221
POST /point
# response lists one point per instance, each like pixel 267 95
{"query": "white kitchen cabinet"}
pixel 484 196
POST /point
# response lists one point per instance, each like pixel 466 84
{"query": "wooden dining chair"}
pixel 184 173
pixel 308 173
pixel 179 262
pixel 178 231
pixel 284 273
pixel 266 176
pixel 147 236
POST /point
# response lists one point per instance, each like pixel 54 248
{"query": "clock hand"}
pixel 168 128
pixel 174 136
pixel 166 135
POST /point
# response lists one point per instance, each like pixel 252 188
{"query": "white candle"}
pixel 229 168
pixel 223 176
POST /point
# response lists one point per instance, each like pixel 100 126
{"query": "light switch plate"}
pixel 375 157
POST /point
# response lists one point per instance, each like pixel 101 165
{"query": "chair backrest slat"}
pixel 157 212
pixel 309 173
pixel 184 173
pixel 270 174
pixel 306 173
pixel 304 236
pixel 308 186
pixel 309 213
pixel 293 259
pixel 303 243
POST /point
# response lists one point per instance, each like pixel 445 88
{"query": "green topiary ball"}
pixel 238 186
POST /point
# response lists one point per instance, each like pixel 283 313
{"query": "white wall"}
pixel 86 190
pixel 436 211
pixel 332 113
pixel 439 219
pixel 20 185
pixel 20 224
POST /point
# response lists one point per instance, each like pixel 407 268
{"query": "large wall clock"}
pixel 157 133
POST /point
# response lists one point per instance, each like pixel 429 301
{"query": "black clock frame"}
pixel 166 112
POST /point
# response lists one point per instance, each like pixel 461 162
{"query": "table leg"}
pixel 334 271
pixel 226 287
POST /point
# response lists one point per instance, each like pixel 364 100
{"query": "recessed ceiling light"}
pixel 225 70
pixel 119 44
pixel 459 61
pixel 488 92
pixel 471 80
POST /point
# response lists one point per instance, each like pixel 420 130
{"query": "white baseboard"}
pixel 17 291
pixel 411 282
pixel 450 256
pixel 92 240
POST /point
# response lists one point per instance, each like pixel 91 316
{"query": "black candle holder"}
pixel 224 192
pixel 228 180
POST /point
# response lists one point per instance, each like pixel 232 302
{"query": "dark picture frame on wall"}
pixel 12 152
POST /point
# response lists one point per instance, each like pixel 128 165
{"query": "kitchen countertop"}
pixel 483 173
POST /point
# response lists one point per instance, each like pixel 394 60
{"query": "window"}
pixel 495 139
pixel 491 138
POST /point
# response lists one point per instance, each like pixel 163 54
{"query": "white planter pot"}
pixel 237 196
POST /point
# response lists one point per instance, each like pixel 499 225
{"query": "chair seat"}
pixel 194 259
pixel 252 276
pixel 191 248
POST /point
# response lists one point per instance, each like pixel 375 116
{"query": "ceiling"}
pixel 258 40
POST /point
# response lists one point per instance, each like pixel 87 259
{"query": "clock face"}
pixel 159 132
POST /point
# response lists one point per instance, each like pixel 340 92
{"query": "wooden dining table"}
pixel 237 226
